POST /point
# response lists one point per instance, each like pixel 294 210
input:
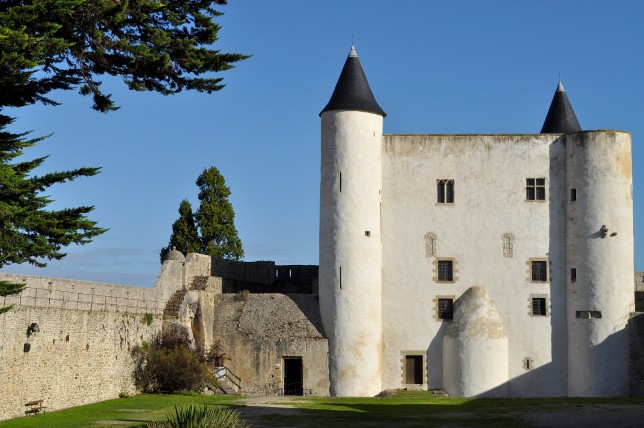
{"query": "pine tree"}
pixel 184 233
pixel 166 47
pixel 215 217
pixel 28 231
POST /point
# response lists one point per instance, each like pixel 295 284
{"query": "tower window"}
pixel 445 191
pixel 535 189
pixel 573 195
pixel 573 275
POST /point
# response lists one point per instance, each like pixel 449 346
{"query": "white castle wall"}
pixel 598 164
pixel 350 250
pixel 490 174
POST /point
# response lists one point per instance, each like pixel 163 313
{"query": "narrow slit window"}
pixel 573 275
pixel 573 195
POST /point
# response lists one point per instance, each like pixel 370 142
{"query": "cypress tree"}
pixel 216 217
pixel 184 232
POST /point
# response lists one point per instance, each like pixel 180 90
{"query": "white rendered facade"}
pixel 492 234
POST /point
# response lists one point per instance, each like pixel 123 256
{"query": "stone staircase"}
pixel 171 310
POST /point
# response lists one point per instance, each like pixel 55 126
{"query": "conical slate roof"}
pixel 561 117
pixel 352 92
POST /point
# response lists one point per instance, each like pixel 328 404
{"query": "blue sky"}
pixel 434 67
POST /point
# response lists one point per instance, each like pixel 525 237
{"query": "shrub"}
pixel 242 296
pixel 148 318
pixel 169 365
pixel 203 416
pixel 216 357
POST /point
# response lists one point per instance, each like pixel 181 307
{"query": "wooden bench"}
pixel 35 407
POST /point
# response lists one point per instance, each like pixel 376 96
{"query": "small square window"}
pixel 539 270
pixel 539 306
pixel 535 189
pixel 445 309
pixel 445 270
pixel 445 191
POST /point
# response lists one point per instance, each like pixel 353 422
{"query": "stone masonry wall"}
pixel 77 357
pixel 258 333
pixel 81 353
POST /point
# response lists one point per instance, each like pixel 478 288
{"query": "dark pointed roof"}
pixel 352 92
pixel 561 117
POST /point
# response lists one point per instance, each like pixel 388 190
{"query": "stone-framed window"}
pixel 538 305
pixel 445 270
pixel 445 191
pixel 443 308
pixel 538 269
pixel 535 189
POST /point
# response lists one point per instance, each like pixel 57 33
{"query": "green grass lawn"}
pixel 409 409
pixel 133 411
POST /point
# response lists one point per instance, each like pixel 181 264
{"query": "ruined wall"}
pixel 259 332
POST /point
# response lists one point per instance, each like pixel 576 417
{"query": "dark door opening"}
pixel 293 376
pixel 414 369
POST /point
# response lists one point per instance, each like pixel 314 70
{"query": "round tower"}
pixel 475 349
pixel 350 241
pixel 599 239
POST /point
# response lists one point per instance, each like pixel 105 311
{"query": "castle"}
pixel 484 265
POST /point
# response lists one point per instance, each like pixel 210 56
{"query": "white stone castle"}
pixel 484 265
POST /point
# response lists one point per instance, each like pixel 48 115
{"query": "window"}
pixel 445 270
pixel 445 309
pixel 589 314
pixel 573 275
pixel 535 189
pixel 445 191
pixel 538 306
pixel 539 270
pixel 573 195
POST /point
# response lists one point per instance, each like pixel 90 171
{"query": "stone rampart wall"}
pixel 78 356
pixel 81 353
